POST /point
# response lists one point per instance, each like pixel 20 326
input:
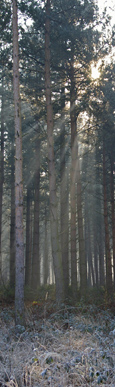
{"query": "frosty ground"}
pixel 64 348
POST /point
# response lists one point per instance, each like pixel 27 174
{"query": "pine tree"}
pixel 19 258
pixel 52 178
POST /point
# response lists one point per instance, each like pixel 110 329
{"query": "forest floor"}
pixel 70 347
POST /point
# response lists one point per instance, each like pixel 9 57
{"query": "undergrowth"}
pixel 69 347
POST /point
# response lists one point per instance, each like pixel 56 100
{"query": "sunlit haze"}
pixel 110 5
pixel 95 72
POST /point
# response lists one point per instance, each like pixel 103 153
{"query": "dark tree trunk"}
pixel 36 254
pixel 73 177
pixel 82 257
pixel 107 238
pixel 113 210
pixel 46 268
pixel 96 270
pixel 1 174
pixel 91 276
pixel 12 225
pixel 87 244
pixel 19 259
pixel 28 266
pixel 101 255
pixel 64 199
pixel 56 253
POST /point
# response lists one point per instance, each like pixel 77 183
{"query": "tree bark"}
pixel 64 205
pixel 28 265
pixel 73 179
pixel 107 240
pixel 82 258
pixel 91 277
pixel 36 255
pixel 101 255
pixel 113 210
pixel 96 270
pixel 46 266
pixel 12 225
pixel 1 174
pixel 51 166
pixel 19 258
pixel 88 220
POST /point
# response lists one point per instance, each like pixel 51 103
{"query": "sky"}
pixel 110 4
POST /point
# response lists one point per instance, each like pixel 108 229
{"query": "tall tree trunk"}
pixel 51 165
pixel 95 251
pixel 64 199
pixel 36 255
pixel 82 258
pixel 75 176
pixel 12 225
pixel 87 243
pixel 101 255
pixel 91 276
pixel 113 211
pixel 1 174
pixel 45 267
pixel 88 220
pixel 73 185
pixel 28 265
pixel 19 259
pixel 107 239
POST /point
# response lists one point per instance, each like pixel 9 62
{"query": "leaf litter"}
pixel 67 348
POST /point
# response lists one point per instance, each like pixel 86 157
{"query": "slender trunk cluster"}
pixel 78 248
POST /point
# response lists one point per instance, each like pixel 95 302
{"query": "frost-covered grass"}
pixel 71 347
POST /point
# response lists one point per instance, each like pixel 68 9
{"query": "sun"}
pixel 95 73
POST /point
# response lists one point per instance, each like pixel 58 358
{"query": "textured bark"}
pixel 19 258
pixel 64 206
pixel 113 210
pixel 82 258
pixel 98 228
pixel 1 175
pixel 91 277
pixel 28 238
pixel 73 178
pixel 107 239
pixel 36 255
pixel 46 266
pixel 12 225
pixel 87 245
pixel 51 166
pixel 101 256
pixel 88 223
pixel 95 252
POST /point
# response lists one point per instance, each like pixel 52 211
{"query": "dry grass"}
pixel 63 349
